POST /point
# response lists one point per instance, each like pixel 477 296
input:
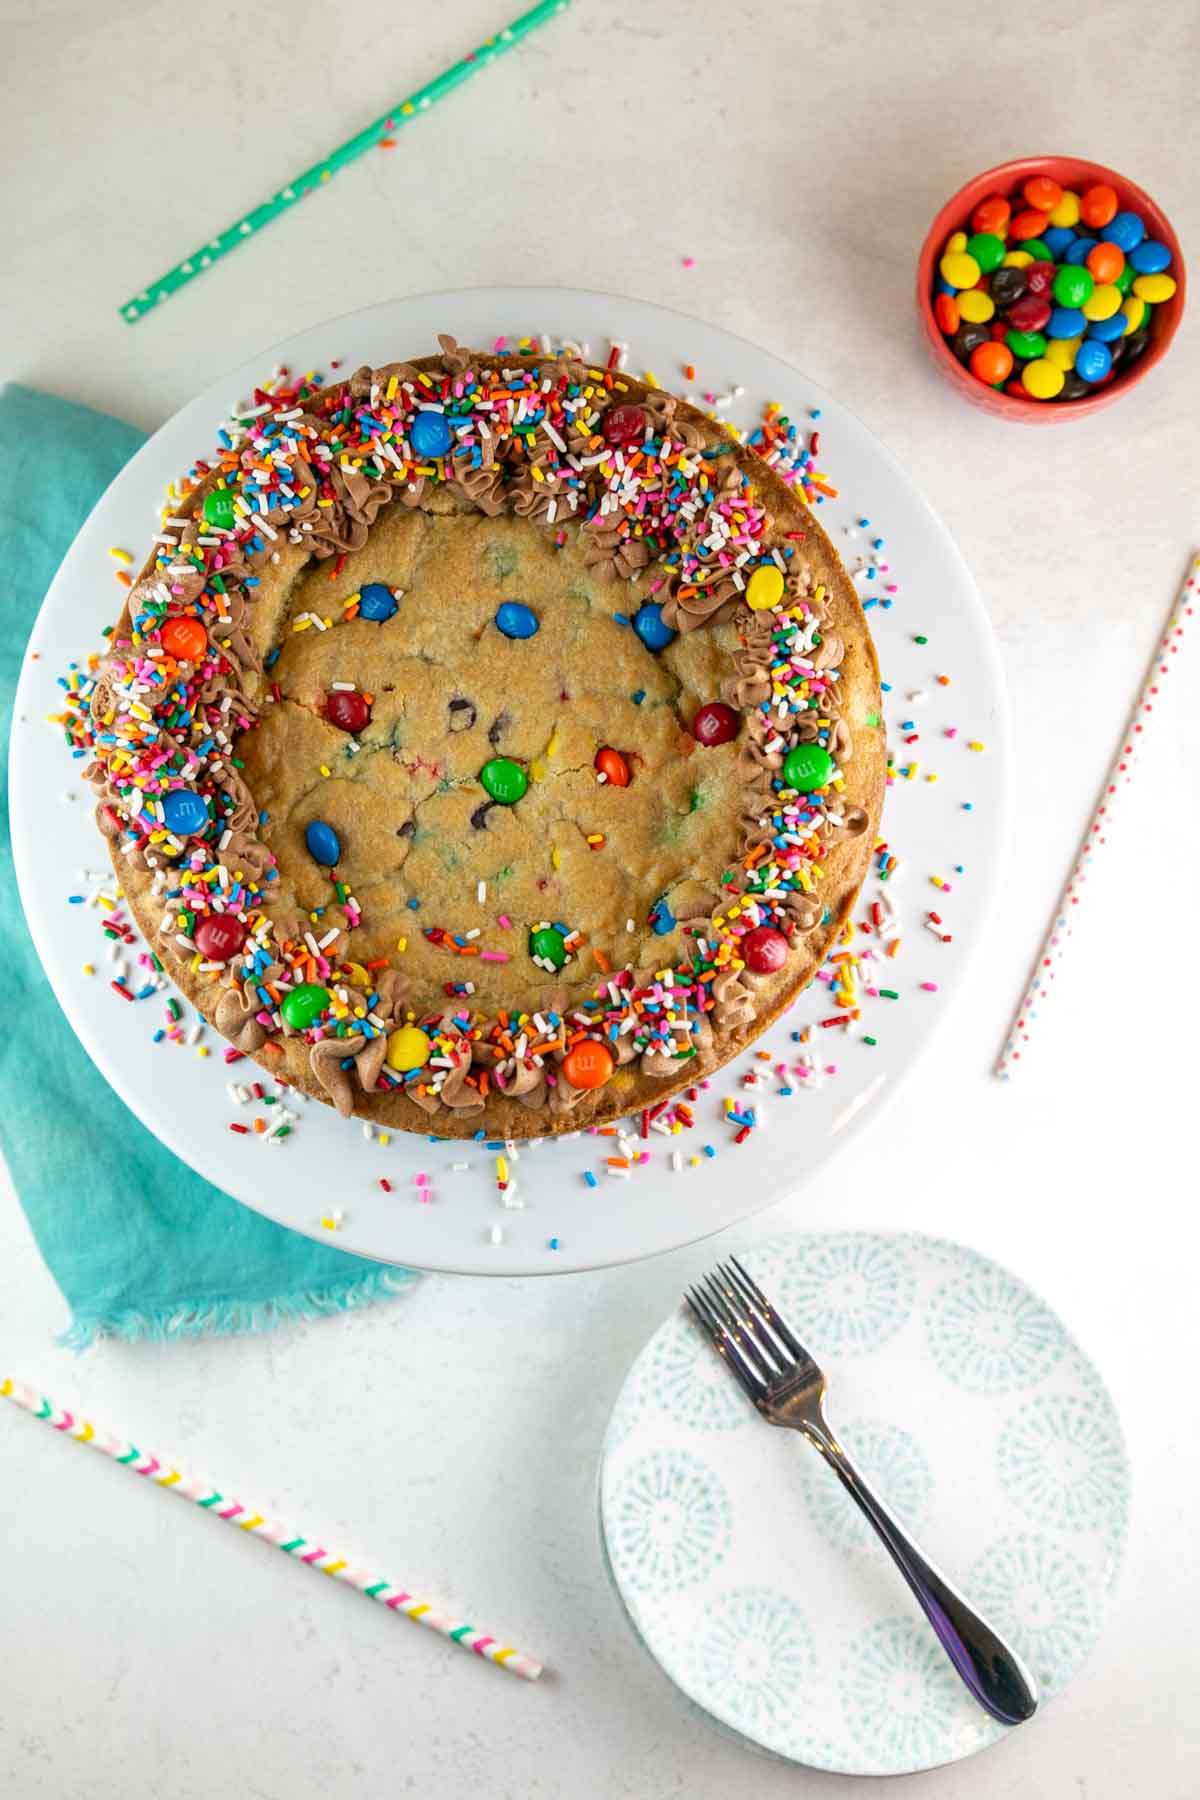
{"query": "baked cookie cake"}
pixel 489 744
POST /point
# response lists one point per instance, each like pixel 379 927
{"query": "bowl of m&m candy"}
pixel 1048 287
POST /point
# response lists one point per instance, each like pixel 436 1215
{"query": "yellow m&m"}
pixel 1154 288
pixel 407 1048
pixel 765 587
pixel 959 269
pixel 1042 379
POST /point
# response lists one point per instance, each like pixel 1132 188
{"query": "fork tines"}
pixel 756 1343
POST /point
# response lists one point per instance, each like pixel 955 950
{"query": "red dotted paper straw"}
pixel 302 1549
pixel 1055 942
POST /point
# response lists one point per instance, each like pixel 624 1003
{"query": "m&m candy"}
pixel 806 767
pixel 505 780
pixel 301 1005
pixel 408 1048
pixel 430 434
pixel 611 767
pixel 376 602
pixel 219 936
pixel 1036 275
pixel 588 1064
pixel 516 620
pixel 623 425
pixel 218 509
pixel 348 711
pixel 1093 361
pixel 765 587
pixel 185 812
pixel 649 625
pixel 548 947
pixel 322 843
pixel 764 950
pixel 714 723
pixel 184 638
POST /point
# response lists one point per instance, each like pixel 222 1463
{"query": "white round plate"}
pixel 756 1584
pixel 562 1222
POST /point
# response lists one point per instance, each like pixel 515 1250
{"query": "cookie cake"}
pixel 490 743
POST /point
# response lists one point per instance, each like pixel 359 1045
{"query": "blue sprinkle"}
pixel 554 1243
pixel 638 697
pixel 708 1150
pixel 74 899
pixel 967 807
pixel 158 1036
pixel 815 412
pixel 589 1178
pixel 863 523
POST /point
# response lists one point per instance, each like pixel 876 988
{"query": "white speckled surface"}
pixel 456 1433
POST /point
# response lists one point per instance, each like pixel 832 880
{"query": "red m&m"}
pixel 715 723
pixel 611 765
pixel 349 711
pixel 219 936
pixel 764 949
pixel 623 424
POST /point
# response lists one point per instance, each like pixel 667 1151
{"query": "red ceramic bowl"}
pixel 1069 172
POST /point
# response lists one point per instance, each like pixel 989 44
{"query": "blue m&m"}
pixel 430 434
pixel 185 812
pixel 650 627
pixel 516 620
pixel 1150 257
pixel 322 843
pixel 1093 361
pixel 376 602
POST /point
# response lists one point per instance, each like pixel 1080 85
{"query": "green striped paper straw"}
pixel 244 1518
pixel 321 172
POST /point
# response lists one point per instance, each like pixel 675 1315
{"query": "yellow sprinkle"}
pixel 389 392
pixel 937 881
pixel 301 624
pixel 104 901
pixel 650 378
pixel 324 770
pixel 89 969
pixel 501 1169
pixel 911 771
pixel 555 858
pixel 976 746
pixel 552 746
pixel 351 599
pixel 121 555
pixel 385 1137
pixel 537 770
pixel 201 1049
pixel 931 778
pixel 402 945
pixel 329 1224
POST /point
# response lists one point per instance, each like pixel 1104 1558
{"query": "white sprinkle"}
pixel 481 892
pixel 496 1235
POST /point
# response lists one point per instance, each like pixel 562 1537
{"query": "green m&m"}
pixel 1073 286
pixel 987 249
pixel 807 766
pixel 504 780
pixel 218 509
pixel 547 947
pixel 304 1004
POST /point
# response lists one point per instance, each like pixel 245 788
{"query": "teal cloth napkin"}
pixel 140 1246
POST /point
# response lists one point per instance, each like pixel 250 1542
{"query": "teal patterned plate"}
pixel 757 1586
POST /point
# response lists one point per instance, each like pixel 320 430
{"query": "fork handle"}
pixel 992 1671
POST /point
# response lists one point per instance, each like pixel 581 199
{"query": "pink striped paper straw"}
pixel 1055 942
pixel 306 1550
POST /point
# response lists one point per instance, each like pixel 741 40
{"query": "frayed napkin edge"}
pixel 219 1318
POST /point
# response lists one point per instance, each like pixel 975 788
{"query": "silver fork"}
pixel 788 1388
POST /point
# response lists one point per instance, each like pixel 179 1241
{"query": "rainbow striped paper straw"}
pixel 305 1550
pixel 1055 942
pixel 324 171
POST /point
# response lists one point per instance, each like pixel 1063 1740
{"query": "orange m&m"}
pixel 1105 262
pixel 588 1064
pixel 1042 193
pixel 991 363
pixel 1099 205
pixel 992 214
pixel 1028 224
pixel 184 638
pixel 612 765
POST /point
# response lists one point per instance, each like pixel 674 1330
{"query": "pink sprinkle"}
pixel 952 731
pixel 689 262
pixel 504 922
pixel 493 956
pixel 422 1180
pixel 929 987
